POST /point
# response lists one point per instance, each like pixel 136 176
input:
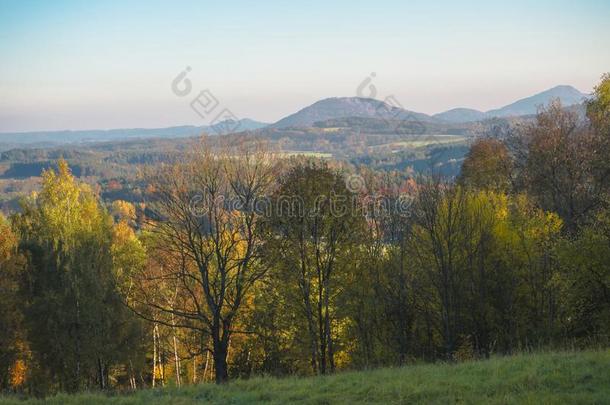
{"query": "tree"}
pixel 206 242
pixel 314 227
pixel 487 165
pixel 598 106
pixel 382 294
pixel 585 282
pixel 13 342
pixel 76 322
pixel 557 160
pixel 436 244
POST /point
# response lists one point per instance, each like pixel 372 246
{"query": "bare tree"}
pixel 206 239
pixel 437 245
pixel 557 160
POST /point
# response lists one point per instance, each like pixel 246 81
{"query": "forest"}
pixel 239 261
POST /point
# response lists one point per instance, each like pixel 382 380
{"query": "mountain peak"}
pixel 568 95
pixel 343 107
pixel 460 115
pixel 563 87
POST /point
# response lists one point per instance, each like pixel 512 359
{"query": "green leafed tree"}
pixel 12 340
pixel 76 322
pixel 315 225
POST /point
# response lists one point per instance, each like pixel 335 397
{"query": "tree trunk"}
pixel 154 369
pixel 176 361
pixel 329 344
pixel 310 321
pixel 194 369
pixel 220 352
pixel 132 377
pixel 162 359
pixel 76 384
pixel 205 368
pixel 220 362
pixel 327 328
pixel 321 335
pixel 100 369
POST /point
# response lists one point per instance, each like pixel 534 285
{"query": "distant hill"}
pixel 49 138
pixel 461 115
pixel 526 106
pixel 231 126
pixel 356 107
pixel 342 107
pixel 344 111
pixel 529 105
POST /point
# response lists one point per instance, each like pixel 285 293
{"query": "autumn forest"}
pixel 241 262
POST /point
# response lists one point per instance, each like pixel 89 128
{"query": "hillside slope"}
pixel 579 377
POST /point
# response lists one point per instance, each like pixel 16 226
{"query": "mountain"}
pixel 357 107
pixel 326 110
pixel 526 106
pixel 461 115
pixel 229 126
pixel 343 107
pixel 99 135
pixel 529 105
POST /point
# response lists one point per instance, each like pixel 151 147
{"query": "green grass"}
pixel 422 140
pixel 291 153
pixel 547 378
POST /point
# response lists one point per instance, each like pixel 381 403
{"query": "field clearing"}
pixel 422 141
pixel 321 155
pixel 543 378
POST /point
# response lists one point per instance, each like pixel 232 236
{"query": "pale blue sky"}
pixel 85 64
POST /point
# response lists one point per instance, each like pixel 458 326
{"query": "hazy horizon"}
pixel 75 65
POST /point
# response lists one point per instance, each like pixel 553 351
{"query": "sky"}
pixel 111 64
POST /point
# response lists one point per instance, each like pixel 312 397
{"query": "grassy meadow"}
pixel 545 378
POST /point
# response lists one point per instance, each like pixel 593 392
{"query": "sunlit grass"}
pixel 321 155
pixel 419 141
pixel 547 378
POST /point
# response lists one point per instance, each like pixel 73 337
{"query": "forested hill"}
pixel 50 138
